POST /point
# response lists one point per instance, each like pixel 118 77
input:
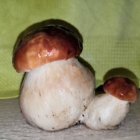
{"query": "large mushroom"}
pixel 106 111
pixel 57 88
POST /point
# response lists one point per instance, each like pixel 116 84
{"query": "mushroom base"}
pixel 55 95
pixel 105 112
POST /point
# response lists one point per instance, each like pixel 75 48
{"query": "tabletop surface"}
pixel 14 127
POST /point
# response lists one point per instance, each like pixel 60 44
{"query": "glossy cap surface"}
pixel 122 88
pixel 46 42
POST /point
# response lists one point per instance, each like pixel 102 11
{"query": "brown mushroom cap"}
pixel 122 88
pixel 49 42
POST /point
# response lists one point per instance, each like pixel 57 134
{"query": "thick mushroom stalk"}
pixel 108 110
pixel 57 88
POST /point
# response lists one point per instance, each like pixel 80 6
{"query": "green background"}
pixel 110 28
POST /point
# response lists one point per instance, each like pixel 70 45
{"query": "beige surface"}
pixel 14 127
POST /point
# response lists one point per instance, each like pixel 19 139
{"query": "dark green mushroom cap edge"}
pixel 121 72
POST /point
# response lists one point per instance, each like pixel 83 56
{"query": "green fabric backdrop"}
pixel 110 28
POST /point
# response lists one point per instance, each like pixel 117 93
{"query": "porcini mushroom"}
pixel 57 87
pixel 106 111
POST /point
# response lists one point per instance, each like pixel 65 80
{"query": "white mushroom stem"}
pixel 105 112
pixel 54 95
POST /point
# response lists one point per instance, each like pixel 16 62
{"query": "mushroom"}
pixel 57 87
pixel 107 111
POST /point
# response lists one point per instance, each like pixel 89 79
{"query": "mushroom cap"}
pixel 121 72
pixel 122 88
pixel 45 42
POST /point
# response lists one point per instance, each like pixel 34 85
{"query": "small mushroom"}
pixel 106 111
pixel 56 87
